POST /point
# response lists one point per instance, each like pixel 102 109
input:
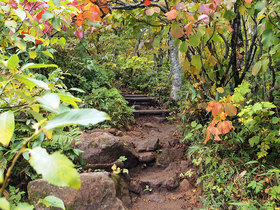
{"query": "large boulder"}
pixel 101 147
pixel 97 191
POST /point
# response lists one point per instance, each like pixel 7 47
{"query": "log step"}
pixel 151 112
pixel 139 99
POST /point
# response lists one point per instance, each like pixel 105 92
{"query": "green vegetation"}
pixel 215 63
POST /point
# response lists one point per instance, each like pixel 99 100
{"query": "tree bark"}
pixel 175 69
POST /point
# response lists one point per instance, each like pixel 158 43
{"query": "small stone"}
pixel 185 186
pixel 149 125
pixel 146 157
pixel 148 145
pixel 160 119
pixel 119 133
pixel 135 187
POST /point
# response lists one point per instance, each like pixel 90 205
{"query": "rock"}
pixel 148 145
pixel 122 189
pixel 185 186
pixel 97 192
pixel 135 187
pixel 146 157
pixel 102 147
pixel 119 133
pixel 167 156
pixel 160 119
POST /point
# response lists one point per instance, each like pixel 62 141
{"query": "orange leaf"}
pixel 217 109
pixel 211 125
pixel 216 132
pixel 171 14
pixel 80 19
pixel 230 109
pixel 147 2
pixel 249 1
pixel 210 106
pixel 188 28
pixel 225 127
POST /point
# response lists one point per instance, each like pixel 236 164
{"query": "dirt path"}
pixel 156 183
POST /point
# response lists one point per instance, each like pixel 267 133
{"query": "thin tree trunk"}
pixel 175 69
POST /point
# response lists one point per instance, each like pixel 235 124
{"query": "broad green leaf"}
pixel 56 3
pixel 69 99
pixel 7 127
pixel 56 23
pixel 4 204
pixel 52 201
pixel 20 13
pixel 48 54
pixel 12 63
pixel 50 102
pixel 194 40
pixel 254 140
pixel 24 206
pixel 39 83
pixel 32 54
pixel 183 47
pixel 47 15
pixel 62 42
pixel 196 61
pixel 56 168
pixel 77 89
pixel 77 116
pixel 38 66
pixel 30 38
pixel 267 37
pixel 20 44
pixel 229 14
pixel 257 67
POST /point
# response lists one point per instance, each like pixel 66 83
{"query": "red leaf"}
pixel 80 34
pixel 189 28
pixel 147 2
pixel 171 14
pixel 225 127
pixel 249 1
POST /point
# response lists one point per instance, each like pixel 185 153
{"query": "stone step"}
pixel 140 98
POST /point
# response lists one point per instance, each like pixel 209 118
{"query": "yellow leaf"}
pixel 32 54
pixel 220 90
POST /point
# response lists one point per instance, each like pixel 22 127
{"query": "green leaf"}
pixel 20 13
pixel 56 168
pixel 52 201
pixel 39 83
pixel 62 42
pixel 229 14
pixel 196 61
pixel 194 40
pixel 48 54
pixel 69 99
pixel 257 67
pixel 254 140
pixel 56 3
pixel 7 127
pixel 77 116
pixel 38 66
pixel 47 15
pixel 24 206
pixel 56 23
pixel 267 37
pixel 20 44
pixel 4 204
pixel 12 63
pixel 183 47
pixel 50 102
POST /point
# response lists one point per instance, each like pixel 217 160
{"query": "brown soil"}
pixel 167 190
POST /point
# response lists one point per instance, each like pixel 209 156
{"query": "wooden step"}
pixel 162 112
pixel 133 95
pixel 140 99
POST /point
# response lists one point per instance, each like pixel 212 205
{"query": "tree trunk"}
pixel 175 69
